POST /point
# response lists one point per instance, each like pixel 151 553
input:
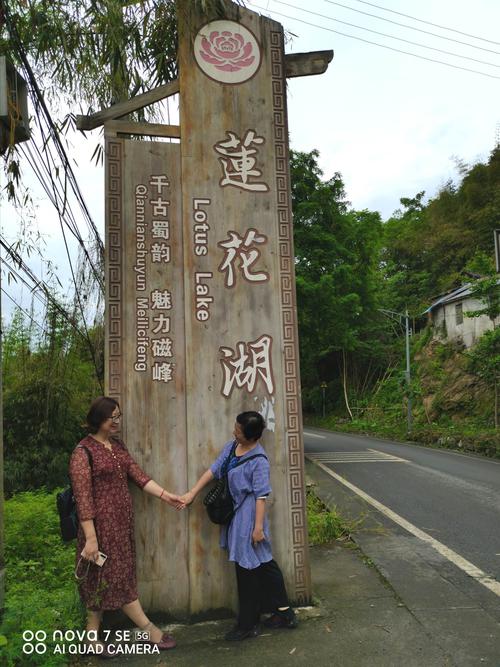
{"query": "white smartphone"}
pixel 101 558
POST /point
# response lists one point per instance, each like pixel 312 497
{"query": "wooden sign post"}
pixel 239 276
pixel 201 313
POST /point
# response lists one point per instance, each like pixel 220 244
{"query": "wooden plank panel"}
pixel 145 343
pixel 128 106
pixel 144 129
pixel 239 246
pixel 307 64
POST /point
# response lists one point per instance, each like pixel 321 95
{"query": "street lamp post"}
pixel 408 373
pixel 323 387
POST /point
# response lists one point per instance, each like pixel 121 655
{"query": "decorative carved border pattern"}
pixel 114 265
pixel 290 337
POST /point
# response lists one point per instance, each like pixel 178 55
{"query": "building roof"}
pixel 455 295
pixel 458 294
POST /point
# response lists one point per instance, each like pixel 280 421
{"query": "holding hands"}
pixel 181 502
pixel 187 498
pixel 172 500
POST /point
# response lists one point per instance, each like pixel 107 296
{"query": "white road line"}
pixel 361 460
pixel 370 456
pixel 466 566
pixel 315 435
pixel 477 457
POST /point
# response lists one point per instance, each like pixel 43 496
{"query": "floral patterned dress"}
pixel 101 493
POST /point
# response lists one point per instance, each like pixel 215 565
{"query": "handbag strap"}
pixel 89 455
pixel 228 458
pixel 254 456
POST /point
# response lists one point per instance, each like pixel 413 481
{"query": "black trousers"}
pixel 259 590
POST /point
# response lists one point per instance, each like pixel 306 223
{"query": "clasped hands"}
pixel 176 501
pixel 181 502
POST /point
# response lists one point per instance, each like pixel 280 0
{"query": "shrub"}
pixel 323 525
pixel 40 588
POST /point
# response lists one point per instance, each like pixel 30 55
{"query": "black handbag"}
pixel 66 508
pixel 219 501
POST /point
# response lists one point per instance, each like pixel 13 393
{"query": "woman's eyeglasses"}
pixel 116 419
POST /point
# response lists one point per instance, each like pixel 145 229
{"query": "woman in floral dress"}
pixel 99 468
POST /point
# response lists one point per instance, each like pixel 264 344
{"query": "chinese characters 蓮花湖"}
pixel 243 366
pixel 238 161
pixel 242 249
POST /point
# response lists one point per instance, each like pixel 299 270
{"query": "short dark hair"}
pixel 100 410
pixel 252 424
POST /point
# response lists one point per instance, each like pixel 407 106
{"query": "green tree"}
pixel 485 288
pixel 484 361
pixel 485 358
pixel 404 259
pixel 49 382
pixel 336 251
pixel 427 247
pixel 91 53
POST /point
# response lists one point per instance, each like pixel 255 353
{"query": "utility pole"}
pixel 496 239
pixel 408 372
pixel 323 387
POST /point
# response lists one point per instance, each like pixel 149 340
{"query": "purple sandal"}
pixel 166 642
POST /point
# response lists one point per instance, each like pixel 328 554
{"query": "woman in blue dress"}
pixel 259 578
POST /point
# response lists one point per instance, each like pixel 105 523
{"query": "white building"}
pixel 449 319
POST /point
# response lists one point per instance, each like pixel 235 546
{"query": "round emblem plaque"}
pixel 227 52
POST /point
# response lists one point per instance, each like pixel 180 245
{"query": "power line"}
pixel 51 192
pixel 17 275
pixel 39 103
pixel 41 285
pixel 44 331
pixel 436 25
pixel 58 198
pixel 384 34
pixel 405 25
pixel 77 292
pixel 383 46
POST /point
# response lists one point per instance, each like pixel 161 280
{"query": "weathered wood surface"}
pixel 143 129
pixel 307 64
pixel 246 311
pixel 220 308
pixel 154 417
pixel 296 64
pixel 128 106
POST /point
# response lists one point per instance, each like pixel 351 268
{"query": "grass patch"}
pixel 41 591
pixel 324 525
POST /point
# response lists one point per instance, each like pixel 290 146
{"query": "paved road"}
pixel 453 497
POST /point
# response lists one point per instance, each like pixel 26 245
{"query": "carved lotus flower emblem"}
pixel 227 51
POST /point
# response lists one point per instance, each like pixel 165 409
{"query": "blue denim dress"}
pixel 246 482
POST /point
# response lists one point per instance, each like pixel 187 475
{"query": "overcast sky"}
pixel 390 123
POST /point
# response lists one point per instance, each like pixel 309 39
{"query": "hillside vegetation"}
pixel 351 267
